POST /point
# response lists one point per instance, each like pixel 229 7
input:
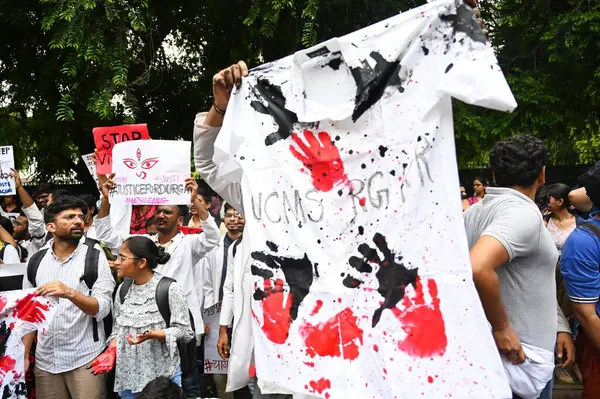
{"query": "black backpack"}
pixel 187 352
pixel 90 275
pixel 591 227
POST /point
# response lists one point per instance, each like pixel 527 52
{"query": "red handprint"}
pixel 422 322
pixel 278 311
pixel 31 310
pixel 322 158
pixel 338 336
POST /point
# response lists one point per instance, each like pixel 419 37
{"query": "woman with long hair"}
pixel 142 344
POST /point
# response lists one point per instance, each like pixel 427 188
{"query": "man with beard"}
pixel 72 342
pixel 185 252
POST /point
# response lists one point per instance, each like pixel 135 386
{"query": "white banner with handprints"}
pixel 7 162
pixel 213 363
pixel 152 172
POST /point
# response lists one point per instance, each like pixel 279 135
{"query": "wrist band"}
pixel 218 110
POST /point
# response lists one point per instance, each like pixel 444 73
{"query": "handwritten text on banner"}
pixel 152 172
pixel 107 137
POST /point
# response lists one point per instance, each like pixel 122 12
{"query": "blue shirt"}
pixel 580 266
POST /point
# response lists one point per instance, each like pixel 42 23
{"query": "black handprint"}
pixel 392 275
pixel 279 311
pixel 5 332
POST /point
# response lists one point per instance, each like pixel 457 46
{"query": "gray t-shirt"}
pixel 527 281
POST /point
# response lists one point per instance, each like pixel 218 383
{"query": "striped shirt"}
pixel 69 342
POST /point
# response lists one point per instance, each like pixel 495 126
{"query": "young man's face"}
pixel 68 225
pixel 42 200
pixel 20 227
pixel 167 218
pixel 234 222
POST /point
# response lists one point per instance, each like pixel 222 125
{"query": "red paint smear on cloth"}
pixel 320 386
pixel 321 157
pixel 7 364
pixel 276 312
pixel 423 323
pixel 27 309
pixel 339 336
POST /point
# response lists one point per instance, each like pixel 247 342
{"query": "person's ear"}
pixel 180 221
pixel 51 227
pixel 142 263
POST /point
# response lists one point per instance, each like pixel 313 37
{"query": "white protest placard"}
pixel 151 172
pixel 7 162
pixel 213 363
pixel 91 166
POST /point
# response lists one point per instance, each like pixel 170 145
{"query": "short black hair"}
pixel 162 388
pixel 61 204
pixel 44 188
pixel 518 161
pixel 7 224
pixel 184 210
pixel 90 201
pixel 227 207
pixel 207 198
pixel 60 192
pixel 591 181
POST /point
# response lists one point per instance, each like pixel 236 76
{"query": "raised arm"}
pixel 580 200
pixel 104 228
pixel 206 129
pixel 207 240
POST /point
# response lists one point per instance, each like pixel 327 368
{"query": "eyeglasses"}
pixel 233 215
pixel 72 216
pixel 121 258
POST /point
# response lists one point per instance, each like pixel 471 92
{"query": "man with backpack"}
pixel 580 267
pixel 77 272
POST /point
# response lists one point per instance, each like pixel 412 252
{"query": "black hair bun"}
pixel 163 256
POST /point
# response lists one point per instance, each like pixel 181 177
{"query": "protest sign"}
pixel 106 138
pixel 344 155
pixel 91 166
pixel 11 276
pixel 152 172
pixel 21 312
pixel 213 363
pixel 7 162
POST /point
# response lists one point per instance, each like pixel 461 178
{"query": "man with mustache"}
pixel 63 354
pixel 185 251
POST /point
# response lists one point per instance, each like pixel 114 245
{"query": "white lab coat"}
pixel 212 267
pixel 186 252
pixel 237 291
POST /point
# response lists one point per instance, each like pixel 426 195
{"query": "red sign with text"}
pixel 106 138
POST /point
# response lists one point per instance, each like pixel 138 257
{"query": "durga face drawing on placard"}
pixel 140 166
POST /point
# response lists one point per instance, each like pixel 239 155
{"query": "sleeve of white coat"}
pixel 208 283
pixel 227 306
pixel 204 143
pixel 563 323
pixel 106 234
pixel 206 241
pixel 37 228
pixel 11 255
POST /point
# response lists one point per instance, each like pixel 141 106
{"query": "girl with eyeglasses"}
pixel 141 344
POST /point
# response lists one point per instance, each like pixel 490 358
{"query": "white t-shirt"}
pixel 11 255
pixel 345 153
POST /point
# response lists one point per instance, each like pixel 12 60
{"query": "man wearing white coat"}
pixel 214 266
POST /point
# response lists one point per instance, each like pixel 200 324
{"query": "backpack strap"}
pixel 592 228
pixel 125 286
pixel 162 299
pixel 90 275
pixel 34 265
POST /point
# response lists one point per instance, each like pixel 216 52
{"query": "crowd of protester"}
pixel 132 285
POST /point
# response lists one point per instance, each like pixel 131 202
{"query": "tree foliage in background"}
pixel 69 65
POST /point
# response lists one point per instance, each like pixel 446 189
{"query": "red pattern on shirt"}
pixel 138 219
